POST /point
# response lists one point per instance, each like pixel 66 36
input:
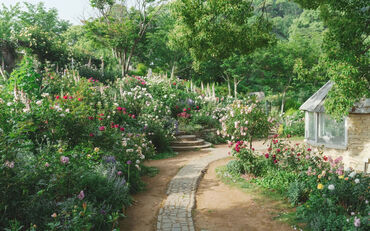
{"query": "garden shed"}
pixel 349 138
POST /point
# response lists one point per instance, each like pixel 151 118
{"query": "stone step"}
pixel 186 138
pixel 191 148
pixel 188 142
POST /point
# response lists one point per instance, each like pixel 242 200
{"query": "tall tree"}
pixel 346 51
pixel 121 28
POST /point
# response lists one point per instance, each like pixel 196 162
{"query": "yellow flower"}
pixel 60 150
pixel 341 177
pixel 320 186
pixel 96 149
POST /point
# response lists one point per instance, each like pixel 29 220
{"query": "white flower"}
pixel 39 102
pixel 62 115
pixel 352 174
pixel 9 104
pixel 331 187
pixel 138 161
pixel 26 110
pixel 45 94
pixel 67 110
pixel 129 150
pixel 357 181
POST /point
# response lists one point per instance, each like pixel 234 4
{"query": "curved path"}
pixel 176 212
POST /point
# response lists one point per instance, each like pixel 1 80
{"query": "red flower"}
pixel 298 154
pixel 189 109
pixel 91 135
pixel 174 83
pixel 122 129
pixel 267 155
pixel 91 118
pixel 79 99
pixel 176 107
pixel 325 158
pixel 112 125
pixel 309 149
pixel 288 136
pixel 252 149
pixel 275 161
pixel 133 116
pixel 278 150
pixel 184 109
pixel 65 97
pixel 71 97
pixel 57 97
pixel 198 107
pixel 269 149
pixel 273 156
pixel 119 108
pixel 116 125
pixel 100 119
pixel 102 128
pixel 101 114
pixel 143 83
pixel 276 135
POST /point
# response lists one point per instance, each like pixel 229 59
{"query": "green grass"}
pixel 262 196
pixel 164 155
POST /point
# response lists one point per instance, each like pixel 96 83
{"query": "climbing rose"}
pixel 267 155
pixel 184 109
pixel 91 135
pixel 119 109
pixel 79 99
pixel 57 97
pixel 102 128
pixel 309 149
pixel 91 118
pixel 122 129
pixel 65 97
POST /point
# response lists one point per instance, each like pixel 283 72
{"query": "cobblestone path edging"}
pixel 175 215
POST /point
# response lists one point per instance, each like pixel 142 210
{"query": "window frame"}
pixel 315 141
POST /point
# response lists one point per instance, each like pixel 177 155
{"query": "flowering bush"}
pixel 328 196
pixel 244 122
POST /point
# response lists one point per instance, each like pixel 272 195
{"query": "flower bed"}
pixel 71 149
pixel 328 197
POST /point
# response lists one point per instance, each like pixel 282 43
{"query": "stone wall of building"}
pixel 358 148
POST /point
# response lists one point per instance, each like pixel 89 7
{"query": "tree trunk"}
pixel 173 71
pixel 235 88
pixel 228 86
pixel 282 103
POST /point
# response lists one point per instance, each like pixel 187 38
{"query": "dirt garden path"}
pixel 218 206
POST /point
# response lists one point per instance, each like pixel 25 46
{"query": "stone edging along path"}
pixel 175 214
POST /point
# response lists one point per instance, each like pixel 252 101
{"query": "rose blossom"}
pixel 64 159
pixel 81 195
pixel 102 128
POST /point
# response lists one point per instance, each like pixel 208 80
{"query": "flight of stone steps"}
pixel 188 143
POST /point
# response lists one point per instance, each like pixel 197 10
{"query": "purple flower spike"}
pixel 129 162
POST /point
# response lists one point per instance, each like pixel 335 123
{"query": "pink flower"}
pixel 102 128
pixel 184 109
pixel 79 99
pixel 278 150
pixel 122 129
pixel 64 159
pixel 357 222
pixel 119 173
pixel 91 135
pixel 129 162
pixel 119 109
pixel 47 164
pixel 81 195
pixel 65 97
pixel 57 97
pixel 116 125
pixel 133 116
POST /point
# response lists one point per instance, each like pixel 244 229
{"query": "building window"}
pixel 321 129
